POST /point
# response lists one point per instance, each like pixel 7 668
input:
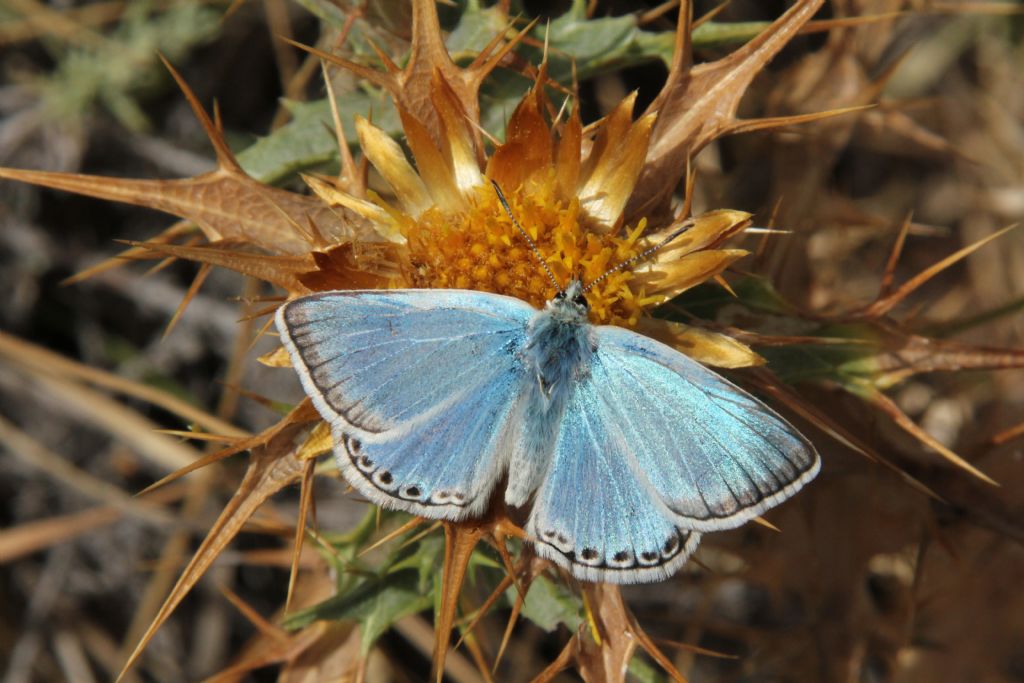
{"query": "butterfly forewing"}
pixel 712 453
pixel 419 386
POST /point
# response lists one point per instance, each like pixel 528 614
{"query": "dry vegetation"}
pixel 887 311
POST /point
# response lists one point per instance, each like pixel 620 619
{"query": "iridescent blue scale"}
pixel 623 449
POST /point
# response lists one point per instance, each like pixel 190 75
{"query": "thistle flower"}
pixel 446 228
pixel 590 197
pixel 593 196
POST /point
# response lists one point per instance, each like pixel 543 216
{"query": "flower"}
pixel 567 188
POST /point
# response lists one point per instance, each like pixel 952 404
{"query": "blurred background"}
pixel 894 567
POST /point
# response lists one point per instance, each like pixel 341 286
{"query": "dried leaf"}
pixel 697 104
pixel 283 271
pixel 43 360
pixel 226 203
pixel 271 468
pixel 704 346
pixel 349 267
pixel 885 304
pixel 278 358
pixel 889 407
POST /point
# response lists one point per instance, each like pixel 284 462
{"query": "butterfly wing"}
pixel 654 449
pixel 419 387
pixel 595 514
pixel 714 454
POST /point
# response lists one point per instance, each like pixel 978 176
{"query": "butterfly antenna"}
pixel 686 225
pixel 529 240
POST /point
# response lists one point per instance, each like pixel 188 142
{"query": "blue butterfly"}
pixel 625 449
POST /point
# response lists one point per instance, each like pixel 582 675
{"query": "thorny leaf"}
pixel 272 467
pixel 698 104
pixel 327 648
pixel 606 655
pixel 461 538
pixel 887 301
pixel 305 508
pixel 226 204
pixel 302 413
pixel 873 353
pixel 899 418
pixel 863 356
pixel 411 87
pixel 284 271
pixel 846 349
pixel 604 647
pixel 590 45
pixel 270 650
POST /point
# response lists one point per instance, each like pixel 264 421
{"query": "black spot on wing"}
pixel 384 481
pixel 621 560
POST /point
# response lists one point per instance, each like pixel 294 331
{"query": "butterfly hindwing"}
pixel 419 387
pixel 595 514
pixel 714 455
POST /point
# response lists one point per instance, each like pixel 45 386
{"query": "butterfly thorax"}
pixel 560 343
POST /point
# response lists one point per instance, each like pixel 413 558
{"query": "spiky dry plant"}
pixel 590 196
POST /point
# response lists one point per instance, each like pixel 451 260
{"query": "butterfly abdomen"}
pixel 557 355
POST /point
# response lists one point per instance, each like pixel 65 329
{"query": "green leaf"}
pixel 308 140
pixel 715 34
pixel 375 604
pixel 476 28
pixel 603 44
pixel 596 45
pixel 125 67
pixel 753 292
pixel 549 604
pixel 644 672
pixel 848 354
pixel 403 586
pixel 806 362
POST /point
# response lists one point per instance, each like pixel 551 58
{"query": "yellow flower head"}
pixel 568 190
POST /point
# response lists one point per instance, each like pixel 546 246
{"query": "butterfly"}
pixel 624 449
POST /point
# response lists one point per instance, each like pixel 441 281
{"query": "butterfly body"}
pixel 622 449
pixel 559 346
pixel 556 356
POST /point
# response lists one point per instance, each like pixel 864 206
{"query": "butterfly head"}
pixel 570 304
